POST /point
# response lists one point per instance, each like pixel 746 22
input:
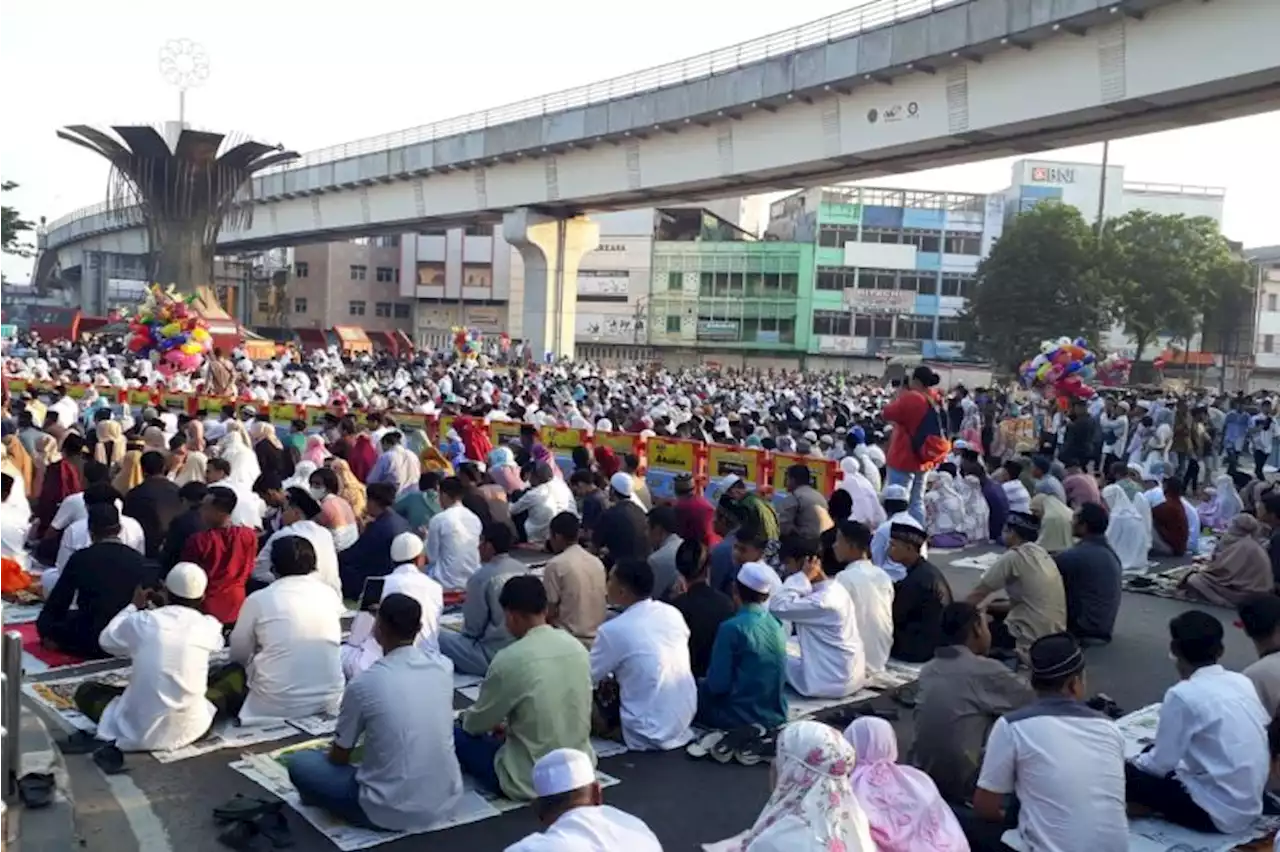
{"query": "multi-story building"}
pixel 1265 265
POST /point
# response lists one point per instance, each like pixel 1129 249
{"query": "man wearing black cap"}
pixel 918 598
pixel 1208 767
pixel 1037 604
pixel 1063 761
pixel 101 593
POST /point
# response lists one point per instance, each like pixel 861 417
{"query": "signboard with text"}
pixel 879 301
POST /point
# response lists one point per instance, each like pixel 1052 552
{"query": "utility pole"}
pixel 1102 189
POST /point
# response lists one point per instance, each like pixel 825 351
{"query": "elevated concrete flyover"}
pixel 887 87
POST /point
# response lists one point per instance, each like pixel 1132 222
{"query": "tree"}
pixel 1228 312
pixel 1038 282
pixel 1162 272
pixel 13 226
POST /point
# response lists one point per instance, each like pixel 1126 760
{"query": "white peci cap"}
pixel 895 492
pixel 561 771
pixel 758 577
pixel 405 548
pixel 187 580
pixel 621 482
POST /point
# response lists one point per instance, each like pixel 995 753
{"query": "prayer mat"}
pixel 980 562
pixel 58 696
pixel 33 650
pixel 1164 584
pixel 1156 835
pixel 270 771
pixel 22 613
pixel 800 707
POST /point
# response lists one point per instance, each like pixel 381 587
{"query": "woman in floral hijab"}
pixel 813 808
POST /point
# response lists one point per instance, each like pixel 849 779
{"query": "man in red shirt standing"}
pixel 225 552
pixel 908 412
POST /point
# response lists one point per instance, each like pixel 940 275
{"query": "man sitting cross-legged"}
pixel 402 707
pixel 538 689
pixel 168 637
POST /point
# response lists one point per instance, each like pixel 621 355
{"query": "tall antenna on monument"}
pixel 184 65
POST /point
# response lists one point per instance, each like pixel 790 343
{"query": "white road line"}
pixel 136 807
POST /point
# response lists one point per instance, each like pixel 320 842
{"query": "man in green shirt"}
pixel 538 688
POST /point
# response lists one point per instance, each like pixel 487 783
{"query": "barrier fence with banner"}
pixel 661 459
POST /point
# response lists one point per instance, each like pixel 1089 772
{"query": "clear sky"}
pixel 310 75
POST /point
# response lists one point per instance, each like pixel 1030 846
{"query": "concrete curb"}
pixel 51 829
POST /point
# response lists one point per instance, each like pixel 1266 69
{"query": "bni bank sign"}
pixel 1052 174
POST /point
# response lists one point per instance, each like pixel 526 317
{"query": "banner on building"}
pixel 604 282
pixel 610 328
pixel 879 301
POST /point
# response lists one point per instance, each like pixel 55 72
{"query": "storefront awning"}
pixel 311 338
pixel 352 338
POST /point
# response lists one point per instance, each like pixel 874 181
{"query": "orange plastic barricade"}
pixel 621 443
pixel 141 397
pixel 18 385
pixel 825 472
pixel 667 459
pixel 284 413
pixel 503 432
pixel 746 462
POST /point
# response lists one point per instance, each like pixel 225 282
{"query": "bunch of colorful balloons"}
pixel 466 342
pixel 169 331
pixel 1062 369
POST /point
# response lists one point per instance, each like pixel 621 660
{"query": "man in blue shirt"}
pixel 747 673
pixel 1235 429
pixel 370 556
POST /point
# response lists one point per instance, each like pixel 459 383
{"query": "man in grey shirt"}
pixel 408 776
pixel 665 543
pixel 484 627
pixel 961 694
pixel 803 511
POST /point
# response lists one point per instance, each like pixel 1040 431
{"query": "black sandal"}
pixel 246 809
pixel 275 827
pixel 110 759
pixel 758 749
pixel 36 789
pixel 242 837
pixel 728 745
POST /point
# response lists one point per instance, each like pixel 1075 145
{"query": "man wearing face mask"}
pixel 297 517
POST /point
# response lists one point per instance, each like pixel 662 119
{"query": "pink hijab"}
pixel 903 805
pixel 315 451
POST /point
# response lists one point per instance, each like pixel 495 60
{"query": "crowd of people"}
pixel 222 555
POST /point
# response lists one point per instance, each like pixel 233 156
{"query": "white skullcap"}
pixel 561 771
pixel 621 482
pixel 405 548
pixel 730 481
pixel 187 580
pixel 758 577
pixel 896 492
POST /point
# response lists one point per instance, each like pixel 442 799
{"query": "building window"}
pixel 915 327
pixel 264 306
pixel 881 235
pixel 965 244
pixel 873 326
pixel 300 305
pixel 479 230
pixel 1271 301
pixel 402 310
pixel 359 272
pixel 876 279
pixel 675 280
pixel 835 236
pixel 673 324
pixel 906 281
pixel 930 241
pixel 301 269
pixel 382 309
pixel 356 307
pixel 832 322
pixel 1268 343
pixel 397 276
pixel 957 285
pixel 833 278
pixel 949 329
pixel 385 274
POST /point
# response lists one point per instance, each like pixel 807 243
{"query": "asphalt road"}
pixel 157 807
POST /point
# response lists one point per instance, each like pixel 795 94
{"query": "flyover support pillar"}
pixel 551 249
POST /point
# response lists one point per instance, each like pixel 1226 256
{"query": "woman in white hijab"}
pixel 193 468
pixel 866 503
pixel 1223 505
pixel 944 512
pixel 813 807
pixel 977 514
pixel 1128 533
pixel 869 469
pixel 236 449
